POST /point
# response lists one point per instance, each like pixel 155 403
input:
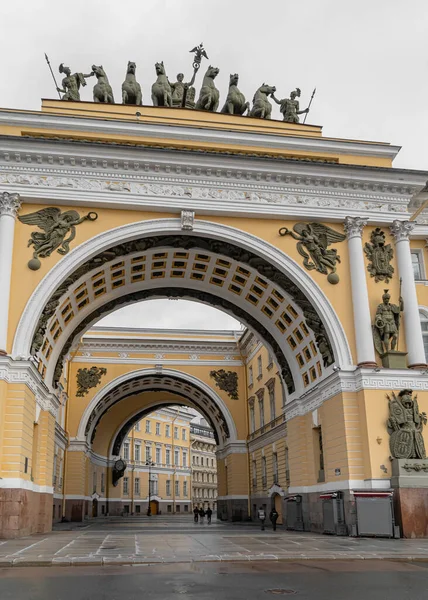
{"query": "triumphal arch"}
pixel 296 234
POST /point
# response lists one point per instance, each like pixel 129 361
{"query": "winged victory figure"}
pixel 56 225
pixel 313 240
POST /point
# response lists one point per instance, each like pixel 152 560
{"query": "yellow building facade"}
pixel 271 222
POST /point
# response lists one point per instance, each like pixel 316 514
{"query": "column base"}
pixel 419 366
pixel 3 353
pixel 24 512
pixel 367 365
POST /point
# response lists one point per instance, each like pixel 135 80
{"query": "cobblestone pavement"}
pixel 143 540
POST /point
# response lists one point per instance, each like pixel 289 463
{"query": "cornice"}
pixel 160 359
pixel 113 177
pixel 24 372
pixel 170 132
pixel 269 437
pixel 355 381
pixel 167 347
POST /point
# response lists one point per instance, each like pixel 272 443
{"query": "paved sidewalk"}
pixel 143 541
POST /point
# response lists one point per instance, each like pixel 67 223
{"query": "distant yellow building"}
pixel 317 408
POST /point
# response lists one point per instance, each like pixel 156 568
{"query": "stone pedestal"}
pixel 24 512
pixel 232 509
pixel 410 483
pixel 394 360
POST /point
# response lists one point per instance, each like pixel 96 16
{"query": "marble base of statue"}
pixel 393 359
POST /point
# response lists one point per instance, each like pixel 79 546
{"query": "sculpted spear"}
pixel 309 106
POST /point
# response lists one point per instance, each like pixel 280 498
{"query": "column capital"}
pixel 9 204
pixel 401 230
pixel 354 226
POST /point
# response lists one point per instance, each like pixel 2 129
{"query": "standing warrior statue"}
pixel 71 83
pixel 387 324
pixel 289 107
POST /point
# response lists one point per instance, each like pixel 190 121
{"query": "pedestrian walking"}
pixel 273 516
pixel 262 517
pixel 196 514
pixel 201 515
pixel 209 514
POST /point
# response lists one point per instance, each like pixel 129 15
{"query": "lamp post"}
pixel 150 464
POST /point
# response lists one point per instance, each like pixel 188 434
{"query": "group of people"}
pixel 199 514
pixel 273 516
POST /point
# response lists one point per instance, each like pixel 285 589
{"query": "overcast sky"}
pixel 368 59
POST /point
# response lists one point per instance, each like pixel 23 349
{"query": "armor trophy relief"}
pixel 182 94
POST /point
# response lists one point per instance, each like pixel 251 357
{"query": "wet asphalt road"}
pixel 315 580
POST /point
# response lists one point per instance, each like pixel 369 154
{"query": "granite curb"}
pixel 94 561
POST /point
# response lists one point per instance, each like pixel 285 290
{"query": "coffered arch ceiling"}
pixel 153 390
pixel 189 265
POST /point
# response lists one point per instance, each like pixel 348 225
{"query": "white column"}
pixel 360 297
pixel 9 206
pixel 412 323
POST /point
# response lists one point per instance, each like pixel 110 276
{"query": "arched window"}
pixel 424 326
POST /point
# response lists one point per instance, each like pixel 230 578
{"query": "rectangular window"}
pixel 270 360
pixel 417 265
pixel 167 431
pixel 103 482
pixel 177 488
pixel 264 473
pixel 158 456
pixel 176 433
pixel 275 467
pixel 252 419
pixel 168 487
pixel 158 429
pixel 168 456
pixel 94 482
pixel 272 402
pixel 148 454
pixel 148 426
pixel 287 469
pixel 184 488
pixel 153 487
pixel 261 412
pixel 137 509
pixel 169 508
pixel 137 426
pixel 184 459
pixel 137 452
pixel 137 486
pixel 126 451
pixel 254 474
pixel 176 457
pixel 183 434
pixel 125 486
pixel 259 366
pixel 250 376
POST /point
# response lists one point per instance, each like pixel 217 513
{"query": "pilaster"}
pixel 412 325
pixel 9 207
pixel 360 298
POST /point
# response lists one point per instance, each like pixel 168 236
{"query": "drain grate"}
pixel 281 592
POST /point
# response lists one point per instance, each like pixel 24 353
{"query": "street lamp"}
pixel 150 464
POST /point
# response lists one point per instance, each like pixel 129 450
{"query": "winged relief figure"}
pixel 56 226
pixel 313 241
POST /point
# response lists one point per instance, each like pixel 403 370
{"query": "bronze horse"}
pixel 161 90
pixel 262 108
pixel 102 89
